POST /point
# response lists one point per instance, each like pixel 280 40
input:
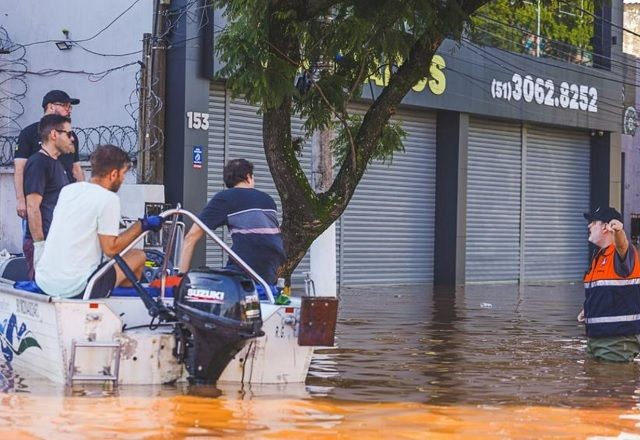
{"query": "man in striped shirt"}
pixel 251 217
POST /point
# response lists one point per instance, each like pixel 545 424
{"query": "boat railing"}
pixel 9 284
pixel 175 213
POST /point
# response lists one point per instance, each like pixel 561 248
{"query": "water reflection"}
pixel 493 345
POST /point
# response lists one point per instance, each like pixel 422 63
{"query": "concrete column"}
pixel 323 263
pixel 615 171
pixel 451 198
pixel 323 249
pixel 606 170
pixel 187 91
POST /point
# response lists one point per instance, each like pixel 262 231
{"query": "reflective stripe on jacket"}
pixel 612 301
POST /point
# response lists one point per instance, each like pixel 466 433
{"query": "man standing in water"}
pixel 612 294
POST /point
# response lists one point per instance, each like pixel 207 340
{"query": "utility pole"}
pixel 143 110
pixel 158 89
pixel 538 36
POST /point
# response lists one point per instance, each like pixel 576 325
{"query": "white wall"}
pixel 102 102
pixel 10 223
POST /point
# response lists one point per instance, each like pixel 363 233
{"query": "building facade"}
pixel 504 152
pixel 99 64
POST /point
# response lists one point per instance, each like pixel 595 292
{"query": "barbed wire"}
pixel 143 107
pixel 13 84
pixel 124 136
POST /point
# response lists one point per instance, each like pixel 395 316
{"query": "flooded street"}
pixel 480 362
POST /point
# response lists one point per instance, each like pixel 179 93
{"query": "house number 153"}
pixel 197 120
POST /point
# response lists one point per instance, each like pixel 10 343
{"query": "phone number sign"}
pixel 545 92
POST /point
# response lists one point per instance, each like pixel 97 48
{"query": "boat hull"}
pixel 37 333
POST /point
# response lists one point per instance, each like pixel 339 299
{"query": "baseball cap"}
pixel 58 96
pixel 605 214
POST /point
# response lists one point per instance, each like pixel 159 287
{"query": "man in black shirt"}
pixel 55 102
pixel 44 177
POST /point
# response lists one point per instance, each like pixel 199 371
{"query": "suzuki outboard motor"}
pixel 218 312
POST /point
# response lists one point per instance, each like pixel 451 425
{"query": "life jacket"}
pixel 612 302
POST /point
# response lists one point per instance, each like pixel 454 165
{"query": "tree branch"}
pixel 311 8
pixel 471 6
pixel 415 67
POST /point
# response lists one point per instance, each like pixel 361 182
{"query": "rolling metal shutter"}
pixel 556 194
pixel 493 201
pixel 236 132
pixel 386 234
pixel 215 162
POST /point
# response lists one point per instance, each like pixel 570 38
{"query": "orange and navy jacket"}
pixel 612 300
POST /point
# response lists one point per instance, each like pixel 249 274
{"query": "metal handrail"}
pixel 244 266
pixel 108 265
pixel 177 212
pixel 167 255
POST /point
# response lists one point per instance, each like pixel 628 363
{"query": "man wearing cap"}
pixel 611 310
pixel 55 102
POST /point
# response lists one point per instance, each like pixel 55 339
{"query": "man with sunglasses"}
pixel 44 177
pixel 55 102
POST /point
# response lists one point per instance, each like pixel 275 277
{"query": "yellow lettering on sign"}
pixel 382 75
pixel 437 82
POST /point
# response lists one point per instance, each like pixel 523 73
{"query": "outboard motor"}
pixel 218 312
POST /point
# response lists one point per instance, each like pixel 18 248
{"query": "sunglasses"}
pixel 64 105
pixel 68 133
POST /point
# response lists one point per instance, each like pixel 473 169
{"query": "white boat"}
pixel 111 339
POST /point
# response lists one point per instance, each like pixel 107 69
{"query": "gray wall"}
pixel 102 102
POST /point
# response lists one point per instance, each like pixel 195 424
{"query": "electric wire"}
pixel 82 40
pixel 136 52
pixel 565 44
pixel 125 136
pixel 610 106
pixel 13 84
pixel 192 14
pixel 617 26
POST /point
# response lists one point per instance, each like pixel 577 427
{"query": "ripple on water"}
pixel 442 346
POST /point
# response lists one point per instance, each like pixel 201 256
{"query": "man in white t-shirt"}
pixel 85 226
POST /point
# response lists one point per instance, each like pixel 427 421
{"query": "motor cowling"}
pixel 218 312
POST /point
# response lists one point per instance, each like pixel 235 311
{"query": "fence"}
pixel 125 137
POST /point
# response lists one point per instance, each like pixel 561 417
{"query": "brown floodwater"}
pixel 480 362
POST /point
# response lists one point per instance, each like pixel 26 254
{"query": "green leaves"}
pixel 391 140
pixel 566 26
pixel 337 47
pixel 244 49
pixel 267 44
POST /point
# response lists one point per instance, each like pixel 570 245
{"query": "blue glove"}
pixel 151 223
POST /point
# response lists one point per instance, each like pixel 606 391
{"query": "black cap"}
pixel 603 214
pixel 58 96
